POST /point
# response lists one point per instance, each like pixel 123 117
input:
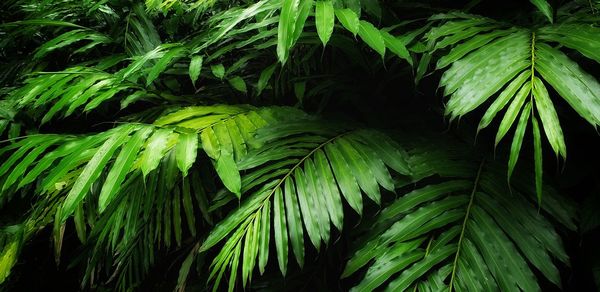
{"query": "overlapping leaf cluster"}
pixel 174 145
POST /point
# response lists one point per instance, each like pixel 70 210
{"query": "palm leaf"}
pixel 463 234
pixel 308 157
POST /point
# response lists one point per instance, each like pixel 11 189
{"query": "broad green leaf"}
pixel 19 169
pixel 529 245
pixel 397 258
pixel 184 270
pixel 8 258
pixel 324 19
pixel 408 276
pixel 195 67
pixel 349 19
pixel 188 207
pixel 238 84
pixel 319 209
pixel 468 46
pixel 577 36
pixel 218 70
pixel 471 80
pixel 361 170
pixel 330 190
pixel 41 22
pixel 250 249
pixel 371 35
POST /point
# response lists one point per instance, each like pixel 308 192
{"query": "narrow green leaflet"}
pixel 264 78
pixel 121 167
pixel 186 151
pixel 503 99
pixel 92 171
pixel 537 156
pixel 513 111
pixel 294 221
pixel 229 173
pixel 544 8
pixel 305 7
pixel 280 229
pixel 397 46
pixel 155 149
pixel 324 18
pixel 515 147
pixel 580 89
pixel 285 29
pixel 549 118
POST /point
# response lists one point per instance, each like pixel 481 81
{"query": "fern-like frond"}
pixel 466 233
pixel 110 168
pixel 297 162
pixel 489 58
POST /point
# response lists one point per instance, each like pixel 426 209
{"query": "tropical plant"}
pixel 201 144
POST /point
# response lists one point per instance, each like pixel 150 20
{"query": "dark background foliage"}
pixel 385 96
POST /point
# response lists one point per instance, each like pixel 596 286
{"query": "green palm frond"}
pixel 468 232
pixel 488 58
pixel 102 168
pixel 196 140
pixel 283 177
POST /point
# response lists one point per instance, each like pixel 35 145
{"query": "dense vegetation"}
pixel 300 145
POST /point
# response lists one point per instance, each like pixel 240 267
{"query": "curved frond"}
pixel 297 162
pixel 489 58
pixel 465 233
